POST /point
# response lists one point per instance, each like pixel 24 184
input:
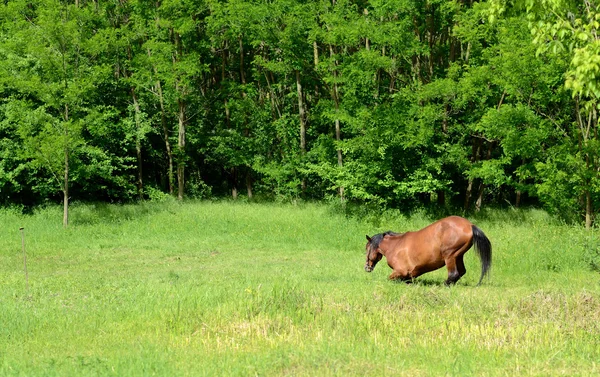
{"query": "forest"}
pixel 396 103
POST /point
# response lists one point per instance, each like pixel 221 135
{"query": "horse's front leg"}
pixel 400 275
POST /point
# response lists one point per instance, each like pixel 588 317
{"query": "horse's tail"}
pixel 484 250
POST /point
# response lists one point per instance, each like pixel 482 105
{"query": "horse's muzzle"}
pixel 368 268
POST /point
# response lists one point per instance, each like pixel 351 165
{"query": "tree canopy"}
pixel 396 103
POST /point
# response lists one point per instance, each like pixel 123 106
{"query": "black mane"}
pixel 376 239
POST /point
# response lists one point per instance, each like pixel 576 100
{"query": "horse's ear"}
pixel 368 238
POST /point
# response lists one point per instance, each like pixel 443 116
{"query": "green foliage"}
pixel 156 195
pixel 592 253
pixel 380 103
pixel 569 29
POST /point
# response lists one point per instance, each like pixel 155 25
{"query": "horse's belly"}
pixel 426 260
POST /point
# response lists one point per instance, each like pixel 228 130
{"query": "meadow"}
pixel 244 289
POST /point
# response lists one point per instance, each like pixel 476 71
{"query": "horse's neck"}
pixel 390 243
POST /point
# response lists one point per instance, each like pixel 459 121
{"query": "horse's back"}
pixel 448 233
pixel 447 225
pixel 457 224
pixel 456 221
pixel 435 239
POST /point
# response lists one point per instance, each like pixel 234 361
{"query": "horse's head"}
pixel 373 254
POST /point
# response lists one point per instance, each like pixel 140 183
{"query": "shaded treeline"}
pixel 398 103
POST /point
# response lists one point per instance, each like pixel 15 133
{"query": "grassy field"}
pixel 239 289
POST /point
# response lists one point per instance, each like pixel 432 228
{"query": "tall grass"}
pixel 221 288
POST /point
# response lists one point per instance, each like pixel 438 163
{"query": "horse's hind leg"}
pixel 453 274
pixel 460 265
pixel 456 265
pixel 456 268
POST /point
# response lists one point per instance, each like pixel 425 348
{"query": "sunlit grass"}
pixel 220 288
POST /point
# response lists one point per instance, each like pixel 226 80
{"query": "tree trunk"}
pixel 274 108
pixel 138 144
pixel 469 190
pixel 588 210
pixel 234 192
pixel 441 198
pixel 302 116
pixel 66 192
pixel 316 68
pixel 181 90
pixel 588 197
pixel 479 201
pixel 445 118
pixel 226 103
pixel 585 126
pixel 163 114
pixel 246 128
pixel 338 131
pixel 181 149
pixel 519 192
pixel 249 185
pixel 169 150
pixel 430 21
pixel 242 73
pixel 165 129
pixel 65 188
pixel 592 166
pixel 338 138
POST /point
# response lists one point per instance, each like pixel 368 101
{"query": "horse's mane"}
pixel 376 239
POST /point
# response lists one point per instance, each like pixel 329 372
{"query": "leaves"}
pixel 399 101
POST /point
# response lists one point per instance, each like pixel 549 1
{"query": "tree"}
pixel 54 76
pixel 570 28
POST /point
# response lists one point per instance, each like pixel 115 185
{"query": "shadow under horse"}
pixel 443 243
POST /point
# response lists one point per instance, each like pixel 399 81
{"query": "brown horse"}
pixel 442 243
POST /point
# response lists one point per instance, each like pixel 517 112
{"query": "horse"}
pixel 444 242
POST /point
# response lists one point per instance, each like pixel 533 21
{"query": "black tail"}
pixel 484 250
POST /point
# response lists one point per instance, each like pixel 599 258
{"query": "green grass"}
pixel 221 288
